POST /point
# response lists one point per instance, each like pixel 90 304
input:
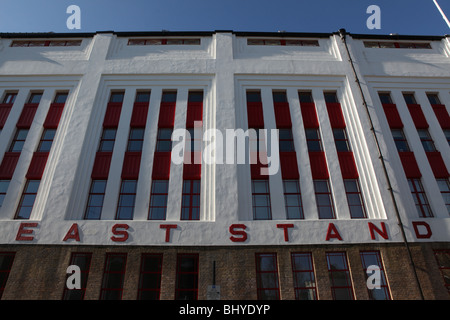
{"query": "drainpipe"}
pixel 343 33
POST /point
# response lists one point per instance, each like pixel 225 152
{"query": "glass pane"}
pixel 302 262
pixel 268 294
pixel 158 213
pixel 321 186
pixel 292 200
pixel 161 186
pixel 116 97
pixel 143 97
pixel 169 97
pixel 4 185
pixel 32 186
pixel 261 213
pixel 342 294
pixel 98 186
pixel 305 294
pixel 158 201
pixel 253 96
pixel 129 186
pixel 115 263
pixel 291 186
pixel 351 186
pixel 260 186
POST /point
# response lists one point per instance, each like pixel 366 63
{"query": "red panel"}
pixel 348 165
pixel 393 118
pixel 37 165
pixel 53 115
pixel 9 164
pixel 437 164
pixel 417 115
pixel 255 115
pixel 410 165
pixel 131 165
pixel 192 171
pixel 289 167
pixel 166 115
pixel 194 113
pixel 282 115
pixel 139 116
pixel 442 115
pixel 27 115
pixel 309 115
pixel 101 165
pixel 112 114
pixel 4 113
pixel 318 164
pixel 335 115
pixel 161 165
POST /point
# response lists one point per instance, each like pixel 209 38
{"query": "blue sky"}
pixel 405 17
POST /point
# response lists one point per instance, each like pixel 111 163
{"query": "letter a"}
pixel 74 280
pixel 374 21
pixel 374 280
pixel 74 21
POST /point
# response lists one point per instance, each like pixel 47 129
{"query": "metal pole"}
pixel 442 13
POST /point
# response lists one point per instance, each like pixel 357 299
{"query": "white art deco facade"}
pixel 361 177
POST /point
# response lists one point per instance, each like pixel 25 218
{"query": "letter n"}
pixel 382 232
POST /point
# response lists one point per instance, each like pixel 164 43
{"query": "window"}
pixel 433 98
pixel 95 200
pixel 150 277
pixel 169 96
pixel 443 261
pixel 9 97
pixel 447 135
pixel 83 261
pixel 267 276
pixel 286 140
pixel 6 261
pixel 354 198
pixel 304 279
pixel 27 199
pixel 190 203
pixel 116 97
pixel 427 142
pixel 195 96
pixel 279 96
pixel 35 97
pixel 397 45
pixel 409 98
pixel 292 199
pixel 341 140
pixel 107 140
pixel 113 275
pixel 19 140
pixel 127 198
pixel 46 140
pixel 44 43
pixel 4 184
pixel 400 140
pixel 385 97
pixel 253 96
pixel 330 97
pixel 136 139
pixel 324 199
pixel 164 140
pixel 339 273
pixel 444 186
pixel 142 96
pixel 169 41
pixel 373 258
pixel 420 198
pixel 313 139
pixel 158 199
pixel 305 96
pixel 261 200
pixel 187 277
pixel 276 42
pixel 61 97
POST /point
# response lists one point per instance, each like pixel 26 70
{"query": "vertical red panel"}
pixel 166 115
pixel 410 165
pixel 309 115
pixel 318 162
pixel 37 165
pixel 131 165
pixel 4 113
pixel 289 167
pixel 194 113
pixel 437 164
pixel 282 115
pixel 192 171
pixel 255 115
pixel 393 118
pixel 348 165
pixel 442 115
pixel 9 164
pixel 53 115
pixel 101 165
pixel 139 116
pixel 27 115
pixel 417 115
pixel 112 114
pixel 255 171
pixel 335 115
pixel 161 165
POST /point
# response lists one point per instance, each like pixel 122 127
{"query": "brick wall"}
pixel 39 272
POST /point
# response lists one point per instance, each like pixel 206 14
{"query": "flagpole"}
pixel 442 13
